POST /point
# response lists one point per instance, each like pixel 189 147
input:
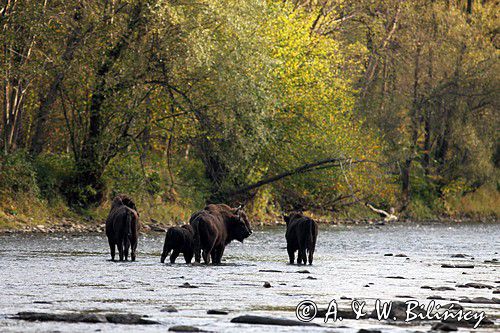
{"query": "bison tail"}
pixel 196 239
pixel 128 223
pixel 310 242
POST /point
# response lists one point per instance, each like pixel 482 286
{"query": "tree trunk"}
pixel 93 159
pixel 48 98
pixel 414 127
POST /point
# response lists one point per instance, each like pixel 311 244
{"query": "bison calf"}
pixel 179 240
pixel 301 234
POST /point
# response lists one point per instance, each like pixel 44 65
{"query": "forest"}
pixel 315 105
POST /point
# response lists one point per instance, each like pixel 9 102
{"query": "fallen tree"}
pixel 309 167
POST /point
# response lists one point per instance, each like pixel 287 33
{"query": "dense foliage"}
pixel 317 105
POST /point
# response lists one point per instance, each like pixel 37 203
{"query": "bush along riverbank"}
pixel 34 198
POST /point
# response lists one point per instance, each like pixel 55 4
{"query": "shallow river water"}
pixel 65 273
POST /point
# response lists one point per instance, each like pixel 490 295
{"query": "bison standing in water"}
pixel 301 234
pixel 179 240
pixel 122 227
pixel 215 227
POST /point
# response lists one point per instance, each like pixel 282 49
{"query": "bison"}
pixel 222 210
pixel 215 227
pixel 122 227
pixel 301 234
pixel 179 240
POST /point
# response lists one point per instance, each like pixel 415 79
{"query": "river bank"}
pixel 70 225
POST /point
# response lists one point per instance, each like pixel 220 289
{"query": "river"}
pixel 65 273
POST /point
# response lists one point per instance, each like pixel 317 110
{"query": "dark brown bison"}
pixel 301 234
pixel 179 240
pixel 215 227
pixel 122 227
pixel 222 211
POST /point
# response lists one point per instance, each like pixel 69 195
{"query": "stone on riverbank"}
pixel 480 300
pixel 259 320
pixel 168 308
pixel 457 266
pixel 185 328
pixel 475 285
pixel 444 327
pixel 217 312
pixel 443 288
pixel 187 285
pixel 115 318
pixel 270 271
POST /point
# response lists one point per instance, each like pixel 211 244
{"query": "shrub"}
pixel 17 174
pixel 52 171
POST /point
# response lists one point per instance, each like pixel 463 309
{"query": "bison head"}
pixel 122 199
pixel 292 216
pixel 241 227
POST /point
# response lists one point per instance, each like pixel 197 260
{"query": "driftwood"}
pixel 388 217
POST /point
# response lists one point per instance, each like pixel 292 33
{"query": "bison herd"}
pixel 207 234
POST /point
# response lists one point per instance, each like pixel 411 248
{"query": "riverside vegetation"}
pixel 284 105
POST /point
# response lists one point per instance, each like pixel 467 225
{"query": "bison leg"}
pixel 218 254
pixel 188 256
pixel 197 254
pixel 291 254
pixel 112 248
pixel 206 257
pixel 126 247
pixel 133 250
pixel 120 249
pixel 166 251
pixel 174 256
pixel 311 252
pixel 302 257
pixel 213 255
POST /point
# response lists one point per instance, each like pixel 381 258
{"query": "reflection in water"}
pixel 58 273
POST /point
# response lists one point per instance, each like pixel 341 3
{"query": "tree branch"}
pixel 318 165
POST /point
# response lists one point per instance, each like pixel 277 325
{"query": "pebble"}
pixel 475 285
pixel 217 312
pixel 185 328
pixel 457 266
pixel 444 327
pixel 187 285
pixel 169 308
pixel 260 320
